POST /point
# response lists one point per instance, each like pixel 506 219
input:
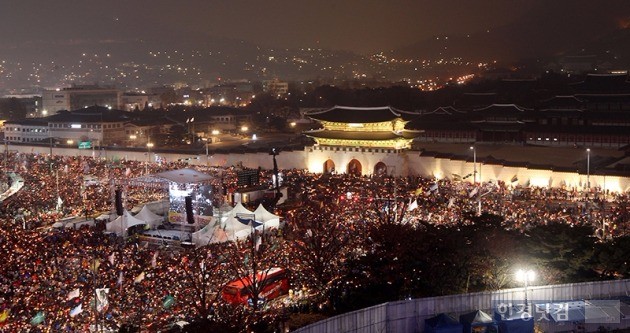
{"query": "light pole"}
pixel 474 150
pixel 588 168
pixel 149 146
pixel 525 276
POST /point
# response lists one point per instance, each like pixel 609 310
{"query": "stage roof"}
pixel 183 176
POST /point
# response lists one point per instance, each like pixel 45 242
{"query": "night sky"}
pixel 356 25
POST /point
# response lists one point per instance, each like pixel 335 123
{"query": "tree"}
pixel 321 246
pixel 563 251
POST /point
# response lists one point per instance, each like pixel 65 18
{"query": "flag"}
pixel 101 299
pixel 59 203
pixel 95 265
pixel 412 206
pixel 451 202
pixel 74 294
pixel 168 301
pixel 4 315
pixel 473 192
pixel 434 187
pixel 258 242
pixel 112 258
pixel 418 191
pixel 75 311
pixel 38 318
pixel 514 179
pixel 139 278
pixel 154 260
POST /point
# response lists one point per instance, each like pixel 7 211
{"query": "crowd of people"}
pixel 65 280
pixel 446 201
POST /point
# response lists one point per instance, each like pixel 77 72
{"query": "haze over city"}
pixel 57 43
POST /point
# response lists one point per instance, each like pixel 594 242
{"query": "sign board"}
pixel 85 144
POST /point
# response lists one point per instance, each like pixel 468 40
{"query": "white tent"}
pixel 122 223
pixel 150 217
pixel 231 229
pixel 232 225
pixel 239 209
pixel 268 219
pixel 212 233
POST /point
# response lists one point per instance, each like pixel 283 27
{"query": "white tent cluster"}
pixel 120 225
pixel 237 224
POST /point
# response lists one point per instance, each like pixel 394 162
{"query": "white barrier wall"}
pixel 408 316
pixel 398 162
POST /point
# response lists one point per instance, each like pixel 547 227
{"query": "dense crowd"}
pixel 49 277
pixel 413 199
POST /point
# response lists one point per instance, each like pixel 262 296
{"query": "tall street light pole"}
pixel 526 276
pixel 474 150
pixel 149 146
pixel 588 168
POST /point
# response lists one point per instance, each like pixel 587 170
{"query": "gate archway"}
pixel 329 166
pixel 354 168
pixel 380 169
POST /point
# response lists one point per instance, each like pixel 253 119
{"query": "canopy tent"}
pixel 239 209
pixel 122 223
pixel 478 322
pixel 237 224
pixel 442 323
pixel 150 217
pixel 268 219
pixel 211 233
pixel 234 224
pixel 514 320
pixel 103 217
pixel 183 176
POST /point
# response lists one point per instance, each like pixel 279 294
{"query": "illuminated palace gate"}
pixel 365 128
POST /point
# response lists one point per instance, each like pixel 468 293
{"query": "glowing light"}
pixel 525 275
pixel 539 181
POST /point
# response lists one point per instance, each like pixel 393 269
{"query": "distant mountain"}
pixel 541 32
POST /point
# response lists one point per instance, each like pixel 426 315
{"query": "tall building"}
pixel 78 97
pixel 276 87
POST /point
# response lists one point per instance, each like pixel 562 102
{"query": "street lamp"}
pixel 525 276
pixel 149 146
pixel 474 164
pixel 588 168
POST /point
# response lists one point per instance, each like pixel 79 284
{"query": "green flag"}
pixel 169 300
pixel 38 318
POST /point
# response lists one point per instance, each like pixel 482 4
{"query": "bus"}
pixel 273 282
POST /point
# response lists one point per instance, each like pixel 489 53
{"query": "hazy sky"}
pixel 358 25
